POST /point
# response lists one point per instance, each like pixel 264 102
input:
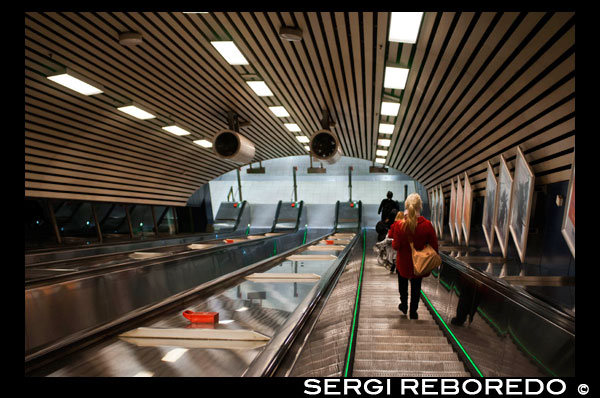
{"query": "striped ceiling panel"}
pixel 480 84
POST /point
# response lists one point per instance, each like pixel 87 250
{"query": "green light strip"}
pixel 452 334
pixel 529 353
pixel 304 239
pixel 356 304
pixel 483 314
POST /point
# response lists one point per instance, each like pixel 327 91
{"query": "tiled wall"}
pixel 277 183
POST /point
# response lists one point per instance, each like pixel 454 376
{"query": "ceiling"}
pixel 480 84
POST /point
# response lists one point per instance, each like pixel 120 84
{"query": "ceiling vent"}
pixel 130 38
pixel 290 34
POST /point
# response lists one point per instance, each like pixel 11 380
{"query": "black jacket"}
pixel 386 207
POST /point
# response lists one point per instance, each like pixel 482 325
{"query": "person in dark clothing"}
pixel 383 226
pixel 386 207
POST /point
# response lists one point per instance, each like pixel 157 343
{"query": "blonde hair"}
pixel 399 216
pixel 413 205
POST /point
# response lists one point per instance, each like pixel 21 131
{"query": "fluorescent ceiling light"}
pixel 307 147
pixel 303 139
pixel 136 112
pixel 404 26
pixel 381 152
pixel 385 128
pixel 279 111
pixel 204 143
pixel 242 309
pixel 390 108
pixel 292 127
pixel 176 130
pixel 68 80
pixel 230 52
pixel 226 321
pixel 379 160
pixel 384 142
pixel 174 354
pixel 260 88
pixel 395 77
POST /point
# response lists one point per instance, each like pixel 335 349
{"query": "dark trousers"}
pixel 415 291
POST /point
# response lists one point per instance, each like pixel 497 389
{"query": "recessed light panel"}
pixel 307 147
pixel 230 52
pixel 176 130
pixel 380 160
pixel 75 84
pixel 260 88
pixel 390 108
pixel 385 128
pixel 404 27
pixel 395 77
pixel 384 142
pixel 293 127
pixel 303 139
pixel 279 111
pixel 204 143
pixel 136 112
pixel 381 152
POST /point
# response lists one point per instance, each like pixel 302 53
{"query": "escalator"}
pixel 470 324
pixel 92 295
pixel 260 308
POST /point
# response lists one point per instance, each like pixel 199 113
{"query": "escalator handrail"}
pixel 532 304
pixel 35 283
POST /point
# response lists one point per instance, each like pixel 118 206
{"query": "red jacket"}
pixel 392 227
pixel 424 233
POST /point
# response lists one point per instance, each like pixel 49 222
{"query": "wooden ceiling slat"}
pixel 323 38
pixel 310 104
pixel 399 135
pixel 337 37
pixel 50 159
pixel 298 100
pixel 81 189
pixel 357 56
pixel 45 112
pixel 458 94
pixel 380 35
pixel 471 147
pixel 424 92
pixel 100 184
pixel 433 94
pixel 233 82
pixel 271 78
pixel 32 193
pixel 505 146
pixel 92 175
pixel 369 79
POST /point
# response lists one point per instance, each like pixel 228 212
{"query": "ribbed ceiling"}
pixel 480 84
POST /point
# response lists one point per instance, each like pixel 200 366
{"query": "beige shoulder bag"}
pixel 424 261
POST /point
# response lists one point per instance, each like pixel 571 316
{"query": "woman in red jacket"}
pixel 418 229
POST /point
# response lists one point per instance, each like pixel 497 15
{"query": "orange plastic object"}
pixel 201 317
pixel 329 242
pixel 228 240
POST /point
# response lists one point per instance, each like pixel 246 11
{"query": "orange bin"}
pixel 201 317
